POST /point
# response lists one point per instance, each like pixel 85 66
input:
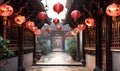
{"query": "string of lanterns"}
pixel 75 14
pixel 111 10
pixel 7 10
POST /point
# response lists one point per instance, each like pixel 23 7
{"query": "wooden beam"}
pixel 98 54
pixel 108 43
pixel 21 51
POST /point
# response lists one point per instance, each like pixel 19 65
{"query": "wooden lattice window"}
pixel 12 34
pixel 28 39
pixel 116 34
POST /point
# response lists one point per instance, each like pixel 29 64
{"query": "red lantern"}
pixel 69 34
pixel 6 10
pixel 42 15
pixel 48 30
pixel 89 22
pixel 37 32
pixel 58 7
pixel 34 29
pixel 76 30
pixel 29 25
pixel 56 21
pixel 58 28
pixel 113 10
pixel 81 27
pixel 73 33
pixel 75 14
pixel 19 19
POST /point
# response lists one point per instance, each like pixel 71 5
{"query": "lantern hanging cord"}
pixel 46 2
pixel 23 7
pixel 87 11
pixel 115 1
pixel 30 15
pixel 8 2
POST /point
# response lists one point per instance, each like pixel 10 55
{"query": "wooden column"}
pixel 34 48
pixel 108 43
pixel 4 27
pixel 82 51
pixel 1 26
pixel 21 51
pixel 98 47
pixel 63 43
pixel 78 48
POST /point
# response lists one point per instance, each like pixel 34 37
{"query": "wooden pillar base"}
pixel 83 62
pixel 21 68
pixel 34 61
pixel 78 59
pixel 97 69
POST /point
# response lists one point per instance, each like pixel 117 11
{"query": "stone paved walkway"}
pixel 58 68
pixel 57 58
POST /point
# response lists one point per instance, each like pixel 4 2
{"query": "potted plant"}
pixel 72 47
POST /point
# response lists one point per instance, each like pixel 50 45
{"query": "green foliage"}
pixel 44 47
pixel 4 50
pixel 72 45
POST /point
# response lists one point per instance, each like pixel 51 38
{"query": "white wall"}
pixel 116 61
pixel 28 60
pixel 90 62
pixel 13 63
pixel 11 66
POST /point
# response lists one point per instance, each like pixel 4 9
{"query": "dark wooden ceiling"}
pixel 88 8
pixel 30 9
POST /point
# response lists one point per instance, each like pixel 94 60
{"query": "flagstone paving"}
pixel 58 61
pixel 57 58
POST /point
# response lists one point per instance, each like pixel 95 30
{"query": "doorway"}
pixel 57 43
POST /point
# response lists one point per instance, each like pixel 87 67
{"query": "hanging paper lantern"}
pixel 29 25
pixel 89 22
pixel 6 10
pixel 48 30
pixel 19 19
pixel 75 14
pixel 42 15
pixel 37 32
pixel 73 33
pixel 81 27
pixel 58 7
pixel 76 30
pixel 113 10
pixel 69 34
pixel 56 21
pixel 34 29
pixel 58 28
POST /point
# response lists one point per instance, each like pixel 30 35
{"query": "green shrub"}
pixel 45 49
pixel 5 52
pixel 72 47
